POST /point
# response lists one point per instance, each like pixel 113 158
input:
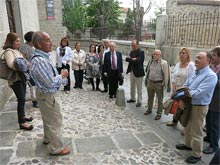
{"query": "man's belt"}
pixel 199 105
pixel 159 81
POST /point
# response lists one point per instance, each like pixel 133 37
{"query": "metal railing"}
pixel 201 30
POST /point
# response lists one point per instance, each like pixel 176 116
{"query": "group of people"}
pixel 101 62
pixel 202 79
pixel 105 62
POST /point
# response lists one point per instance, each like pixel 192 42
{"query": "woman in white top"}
pixel 183 69
pixel 63 58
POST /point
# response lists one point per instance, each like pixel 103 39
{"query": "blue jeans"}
pixel 212 128
pixel 19 88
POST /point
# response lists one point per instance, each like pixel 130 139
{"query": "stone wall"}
pixel 123 46
pixel 173 7
pixel 188 23
pixel 193 24
pixel 26 18
pixel 5 91
pixel 53 27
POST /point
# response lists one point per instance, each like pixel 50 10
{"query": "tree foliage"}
pixel 102 13
pixel 74 15
pixel 128 26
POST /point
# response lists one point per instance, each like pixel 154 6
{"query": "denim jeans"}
pixel 19 88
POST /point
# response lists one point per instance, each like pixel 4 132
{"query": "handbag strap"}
pixel 8 49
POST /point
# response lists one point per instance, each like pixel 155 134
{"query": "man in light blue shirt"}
pixel 48 82
pixel 201 86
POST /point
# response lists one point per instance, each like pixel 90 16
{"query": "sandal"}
pixel 29 127
pixel 28 119
pixel 171 123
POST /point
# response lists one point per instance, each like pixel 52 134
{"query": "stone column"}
pixel 160 31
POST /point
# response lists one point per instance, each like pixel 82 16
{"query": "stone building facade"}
pixel 53 26
pixel 21 16
pixel 176 7
pixel 188 23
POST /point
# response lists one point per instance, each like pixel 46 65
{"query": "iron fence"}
pixel 201 30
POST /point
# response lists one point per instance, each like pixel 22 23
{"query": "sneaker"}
pixel 193 160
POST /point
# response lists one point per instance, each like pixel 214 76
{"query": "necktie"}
pixel 113 62
pixel 197 72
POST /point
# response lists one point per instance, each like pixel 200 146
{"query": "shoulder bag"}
pixel 6 73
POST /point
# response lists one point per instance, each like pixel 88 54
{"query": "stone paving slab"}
pixel 5 156
pixel 98 144
pixel 7 138
pixel 8 121
pixel 148 138
pixel 10 107
pixel 26 149
pixel 126 140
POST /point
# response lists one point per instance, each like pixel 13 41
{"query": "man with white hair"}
pixel 157 78
pixel 113 69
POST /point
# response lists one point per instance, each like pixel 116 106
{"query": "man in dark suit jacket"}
pixel 136 70
pixel 113 69
pixel 213 115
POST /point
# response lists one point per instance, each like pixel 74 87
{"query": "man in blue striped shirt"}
pixel 48 82
pixel 201 86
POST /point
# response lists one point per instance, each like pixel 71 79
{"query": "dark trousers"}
pixel 78 74
pixel 113 82
pixel 104 80
pixel 67 66
pixel 212 128
pixel 92 83
pixel 19 88
pixel 215 159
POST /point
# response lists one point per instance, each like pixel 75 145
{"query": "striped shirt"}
pixel 45 74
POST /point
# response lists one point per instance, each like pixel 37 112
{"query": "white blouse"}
pixel 62 59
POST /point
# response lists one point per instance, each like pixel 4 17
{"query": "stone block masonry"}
pixel 53 27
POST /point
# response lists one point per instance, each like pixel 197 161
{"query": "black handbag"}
pixel 121 79
pixel 6 73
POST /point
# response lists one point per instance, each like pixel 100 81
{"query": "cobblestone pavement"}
pixel 96 130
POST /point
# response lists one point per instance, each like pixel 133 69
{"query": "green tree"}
pixel 128 26
pixel 103 13
pixel 74 15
